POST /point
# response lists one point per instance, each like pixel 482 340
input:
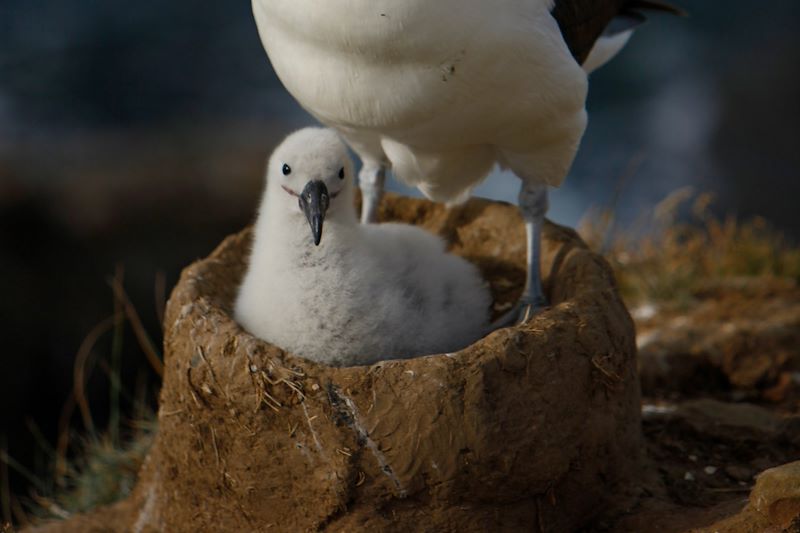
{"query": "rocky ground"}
pixel 721 391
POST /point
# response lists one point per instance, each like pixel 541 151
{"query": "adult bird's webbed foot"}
pixel 527 309
pixel 523 310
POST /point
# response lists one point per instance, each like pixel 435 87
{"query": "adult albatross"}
pixel 441 90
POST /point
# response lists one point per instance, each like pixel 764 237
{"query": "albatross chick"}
pixel 327 288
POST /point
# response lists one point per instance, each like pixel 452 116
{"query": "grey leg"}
pixel 371 180
pixel 533 204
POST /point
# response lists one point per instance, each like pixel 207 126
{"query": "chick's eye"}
pixel 286 169
pixel 341 173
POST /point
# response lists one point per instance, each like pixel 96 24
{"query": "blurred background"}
pixel 133 135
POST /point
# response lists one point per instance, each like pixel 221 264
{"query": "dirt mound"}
pixel 533 426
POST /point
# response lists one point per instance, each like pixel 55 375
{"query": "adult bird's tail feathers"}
pixel 596 30
pixel 633 13
pixel 654 5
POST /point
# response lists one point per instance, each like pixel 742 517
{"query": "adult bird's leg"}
pixel 533 204
pixel 371 180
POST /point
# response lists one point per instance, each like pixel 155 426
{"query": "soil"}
pixel 534 428
pixel 721 395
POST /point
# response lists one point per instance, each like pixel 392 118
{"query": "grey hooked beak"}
pixel 314 201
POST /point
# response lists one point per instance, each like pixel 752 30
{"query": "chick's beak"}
pixel 314 201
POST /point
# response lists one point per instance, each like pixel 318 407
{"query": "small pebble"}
pixel 693 458
pixel 710 470
pixel 644 312
pixel 688 476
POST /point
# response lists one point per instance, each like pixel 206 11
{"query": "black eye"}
pixel 286 169
pixel 341 173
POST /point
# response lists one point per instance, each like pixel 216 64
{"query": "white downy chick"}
pixel 324 287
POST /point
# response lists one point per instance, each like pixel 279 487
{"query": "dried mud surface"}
pixel 536 426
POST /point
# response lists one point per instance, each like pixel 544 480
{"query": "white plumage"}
pixel 439 91
pixel 366 292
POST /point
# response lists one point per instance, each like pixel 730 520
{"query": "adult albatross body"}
pixel 441 90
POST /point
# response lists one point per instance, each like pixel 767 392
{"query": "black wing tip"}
pixel 657 5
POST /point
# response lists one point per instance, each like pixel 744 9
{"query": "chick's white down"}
pixel 367 292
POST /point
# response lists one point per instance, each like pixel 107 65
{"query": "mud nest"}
pixel 533 427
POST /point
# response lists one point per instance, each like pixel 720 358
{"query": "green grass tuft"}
pixel 105 471
pixel 97 468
